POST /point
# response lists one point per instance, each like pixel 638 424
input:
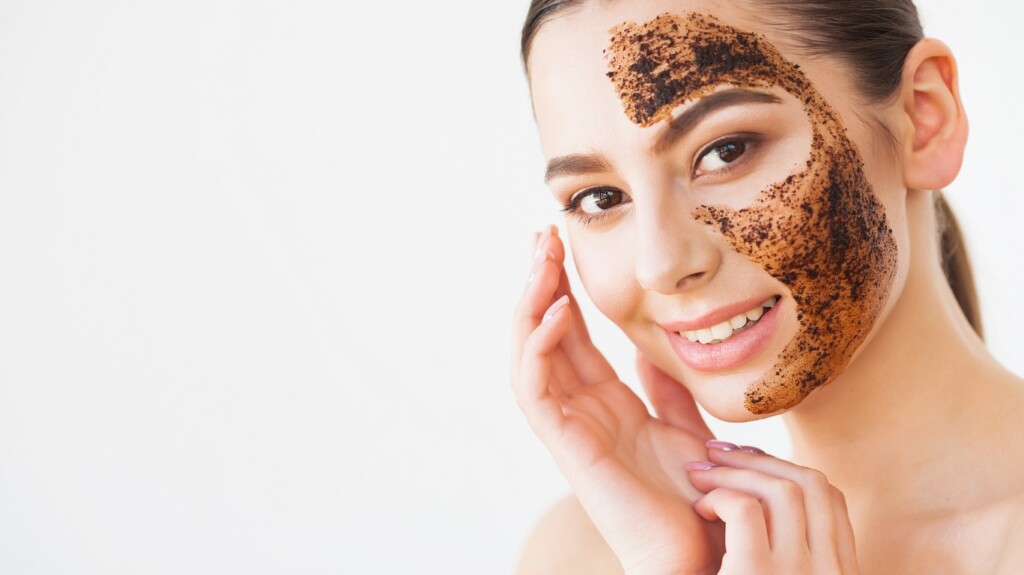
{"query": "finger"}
pixel 537 296
pixel 819 504
pixel 564 380
pixel 781 500
pixel 590 363
pixel 532 384
pixel 564 287
pixel 746 535
pixel 672 401
pixel 846 541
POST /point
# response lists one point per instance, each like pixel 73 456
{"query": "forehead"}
pixel 589 66
pixel 676 58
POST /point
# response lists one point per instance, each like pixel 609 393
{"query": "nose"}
pixel 675 252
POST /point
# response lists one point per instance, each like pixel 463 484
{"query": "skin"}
pixel 636 261
pixel 915 450
pixel 821 231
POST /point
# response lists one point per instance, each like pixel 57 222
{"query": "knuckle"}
pixel 788 491
pixel 814 479
pixel 839 497
pixel 745 507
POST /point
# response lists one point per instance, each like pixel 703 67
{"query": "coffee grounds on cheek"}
pixel 822 231
pixel 823 234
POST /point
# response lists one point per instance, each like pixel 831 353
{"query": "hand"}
pixel 780 518
pixel 626 467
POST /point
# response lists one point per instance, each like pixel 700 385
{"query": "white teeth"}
pixel 724 330
pixel 738 321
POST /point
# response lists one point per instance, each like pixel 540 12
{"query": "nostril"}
pixel 692 278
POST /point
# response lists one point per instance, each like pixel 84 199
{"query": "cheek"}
pixel 607 273
pixel 893 198
pixel 825 234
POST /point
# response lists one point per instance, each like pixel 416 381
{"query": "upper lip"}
pixel 717 316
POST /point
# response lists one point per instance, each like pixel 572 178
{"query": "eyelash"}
pixel 572 207
pixel 748 141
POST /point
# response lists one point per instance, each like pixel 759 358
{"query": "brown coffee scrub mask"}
pixel 822 231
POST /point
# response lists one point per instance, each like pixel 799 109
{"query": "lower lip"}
pixel 732 352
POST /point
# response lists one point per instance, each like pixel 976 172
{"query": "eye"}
pixel 719 155
pixel 598 200
pixel 594 202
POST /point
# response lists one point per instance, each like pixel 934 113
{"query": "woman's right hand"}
pixel 626 467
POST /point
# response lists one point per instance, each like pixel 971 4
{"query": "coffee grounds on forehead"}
pixel 657 66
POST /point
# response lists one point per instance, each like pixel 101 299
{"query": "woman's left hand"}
pixel 779 518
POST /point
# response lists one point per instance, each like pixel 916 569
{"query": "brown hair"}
pixel 873 37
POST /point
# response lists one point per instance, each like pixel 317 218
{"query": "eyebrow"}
pixel 678 128
pixel 576 164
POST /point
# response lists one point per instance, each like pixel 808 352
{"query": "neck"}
pixel 920 405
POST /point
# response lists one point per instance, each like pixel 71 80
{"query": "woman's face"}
pixel 718 208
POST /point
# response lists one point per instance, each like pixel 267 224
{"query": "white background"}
pixel 257 265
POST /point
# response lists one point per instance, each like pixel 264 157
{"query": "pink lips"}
pixel 734 351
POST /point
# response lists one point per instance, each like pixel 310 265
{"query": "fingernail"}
pixel 541 242
pixel 700 466
pixel 555 307
pixel 752 449
pixel 540 257
pixel 721 445
pixel 542 252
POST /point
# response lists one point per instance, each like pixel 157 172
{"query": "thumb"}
pixel 672 402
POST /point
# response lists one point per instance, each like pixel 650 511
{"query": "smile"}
pixel 708 347
pixel 722 332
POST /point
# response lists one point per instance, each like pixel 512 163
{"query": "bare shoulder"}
pixel 566 542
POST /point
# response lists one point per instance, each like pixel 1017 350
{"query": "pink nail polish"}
pixel 721 445
pixel 555 307
pixel 700 466
pixel 752 449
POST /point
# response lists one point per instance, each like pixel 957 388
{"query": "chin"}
pixel 728 403
pixel 737 413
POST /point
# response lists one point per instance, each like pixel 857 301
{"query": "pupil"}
pixel 607 199
pixel 731 151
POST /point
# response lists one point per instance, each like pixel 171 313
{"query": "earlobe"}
pixel 931 101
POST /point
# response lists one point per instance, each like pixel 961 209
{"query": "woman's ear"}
pixel 930 96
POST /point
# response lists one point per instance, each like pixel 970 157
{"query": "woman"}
pixel 749 190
